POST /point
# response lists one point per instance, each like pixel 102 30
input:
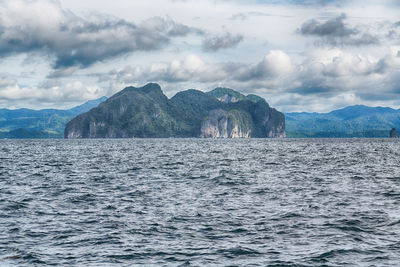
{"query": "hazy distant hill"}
pixel 45 123
pixel 352 121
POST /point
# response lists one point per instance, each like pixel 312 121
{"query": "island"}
pixel 145 112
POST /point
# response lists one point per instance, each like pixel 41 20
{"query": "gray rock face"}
pixel 228 99
pixel 226 124
pixel 394 133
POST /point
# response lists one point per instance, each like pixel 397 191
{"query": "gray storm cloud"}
pixel 336 32
pixel 78 41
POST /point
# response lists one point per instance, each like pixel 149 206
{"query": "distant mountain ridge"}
pixel 145 112
pixel 352 121
pixel 44 123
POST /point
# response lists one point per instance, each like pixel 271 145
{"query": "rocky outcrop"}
pixel 394 133
pixel 226 124
pixel 227 99
pixel 146 113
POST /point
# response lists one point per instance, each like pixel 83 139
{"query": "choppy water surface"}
pixel 195 202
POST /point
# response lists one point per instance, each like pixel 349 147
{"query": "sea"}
pixel 200 202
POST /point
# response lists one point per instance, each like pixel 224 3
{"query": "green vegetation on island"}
pixel 146 112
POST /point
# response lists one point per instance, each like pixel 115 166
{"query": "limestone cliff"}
pixel 226 124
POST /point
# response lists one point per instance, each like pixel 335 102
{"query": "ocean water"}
pixel 200 202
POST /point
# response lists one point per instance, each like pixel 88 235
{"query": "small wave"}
pixel 325 256
pixel 250 202
pixel 238 251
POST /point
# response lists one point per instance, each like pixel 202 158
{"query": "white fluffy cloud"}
pixel 74 92
pixel 275 64
pixel 329 74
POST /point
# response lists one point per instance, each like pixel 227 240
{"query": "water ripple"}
pixel 192 202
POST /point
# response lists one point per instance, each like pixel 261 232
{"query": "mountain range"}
pixel 352 121
pixel 45 123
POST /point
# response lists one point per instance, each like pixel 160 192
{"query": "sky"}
pixel 300 55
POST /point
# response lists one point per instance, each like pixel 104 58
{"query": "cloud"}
pixel 193 69
pixel 281 2
pixel 213 43
pixel 6 82
pixel 394 32
pixel 335 32
pixel 64 72
pixel 325 74
pixel 344 60
pixel 330 72
pixel 170 27
pixel 321 70
pixel 333 27
pixel 333 78
pixel 276 63
pixel 353 65
pixel 317 2
pixel 247 15
pixel 44 26
pixel 14 94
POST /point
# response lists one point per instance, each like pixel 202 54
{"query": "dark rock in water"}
pixel 146 112
pixel 394 133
